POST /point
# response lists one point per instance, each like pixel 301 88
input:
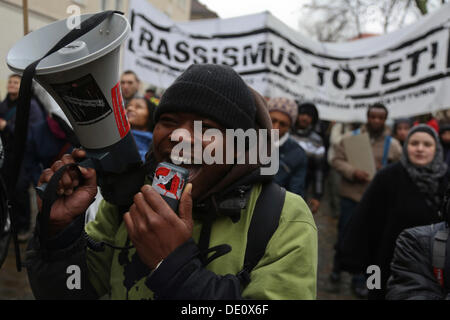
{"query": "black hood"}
pixel 309 108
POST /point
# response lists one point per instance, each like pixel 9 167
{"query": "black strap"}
pixel 48 197
pixel 4 205
pixel 207 222
pixel 265 219
pixel 23 108
pixel 447 266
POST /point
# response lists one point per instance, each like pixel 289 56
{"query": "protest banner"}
pixel 407 70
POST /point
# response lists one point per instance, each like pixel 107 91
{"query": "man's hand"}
pixel 314 205
pixel 154 228
pixel 75 196
pixel 360 176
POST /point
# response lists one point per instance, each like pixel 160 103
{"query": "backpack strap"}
pixel 266 216
pixel 439 255
pixel 387 145
pixel 447 264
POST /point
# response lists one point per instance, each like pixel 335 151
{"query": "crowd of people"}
pixel 167 255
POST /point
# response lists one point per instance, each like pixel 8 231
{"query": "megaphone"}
pixel 83 78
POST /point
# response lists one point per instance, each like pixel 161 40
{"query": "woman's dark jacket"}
pixel 391 203
pixel 412 276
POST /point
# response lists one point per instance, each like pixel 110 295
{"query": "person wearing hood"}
pixel 419 268
pixel 169 257
pixel 402 195
pixel 312 143
pixel 293 161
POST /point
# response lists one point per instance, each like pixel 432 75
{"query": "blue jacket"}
pixel 8 110
pixel 143 141
pixel 293 166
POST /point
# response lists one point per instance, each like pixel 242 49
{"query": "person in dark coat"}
pixel 305 134
pixel 419 268
pixel 5 225
pixel 8 110
pixel 412 272
pixel 402 195
pixel 20 196
pixel 293 160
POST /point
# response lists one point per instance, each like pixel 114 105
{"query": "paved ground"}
pixel 327 226
pixel 14 285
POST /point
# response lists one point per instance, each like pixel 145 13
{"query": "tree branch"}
pixel 422 5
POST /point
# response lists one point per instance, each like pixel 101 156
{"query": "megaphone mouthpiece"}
pixel 74 51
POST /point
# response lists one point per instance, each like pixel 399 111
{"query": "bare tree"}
pixel 341 20
pixel 423 5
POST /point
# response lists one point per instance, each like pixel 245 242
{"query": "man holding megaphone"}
pixel 149 250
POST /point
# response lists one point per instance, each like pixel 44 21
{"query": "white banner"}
pixel 407 70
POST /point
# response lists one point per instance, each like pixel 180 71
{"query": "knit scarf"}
pixel 426 178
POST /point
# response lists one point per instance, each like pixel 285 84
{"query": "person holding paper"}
pixel 355 181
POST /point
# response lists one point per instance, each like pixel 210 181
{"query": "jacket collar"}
pixel 231 200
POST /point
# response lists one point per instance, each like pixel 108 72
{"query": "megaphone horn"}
pixel 81 72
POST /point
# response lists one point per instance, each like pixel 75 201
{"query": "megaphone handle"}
pixel 87 163
pixel 49 195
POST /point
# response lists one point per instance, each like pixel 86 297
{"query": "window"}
pixel 80 2
pixel 181 3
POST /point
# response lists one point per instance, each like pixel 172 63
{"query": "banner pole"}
pixel 25 17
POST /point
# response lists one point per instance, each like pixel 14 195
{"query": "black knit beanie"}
pixel 423 128
pixel 213 91
pixel 310 109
